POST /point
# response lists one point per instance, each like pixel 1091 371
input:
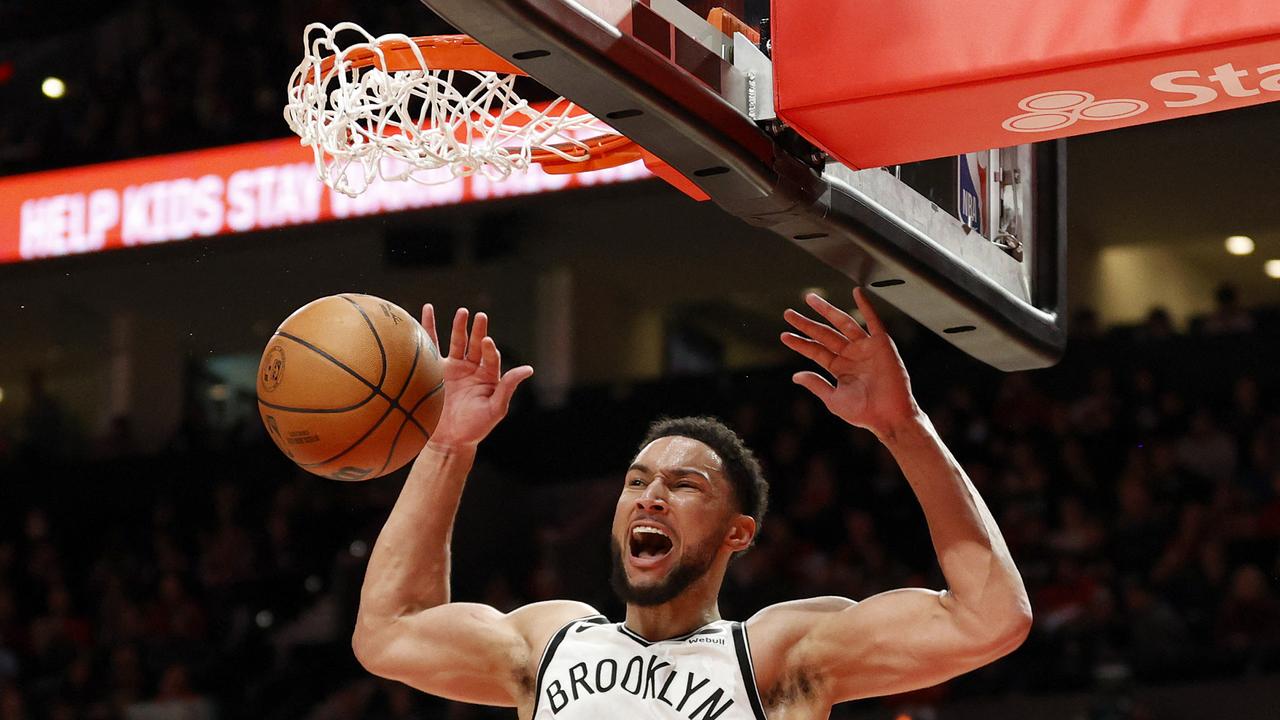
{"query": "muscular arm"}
pixel 409 567
pixel 912 637
pixel 407 628
pixel 985 590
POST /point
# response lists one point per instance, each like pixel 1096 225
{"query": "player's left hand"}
pixel 477 394
pixel 872 389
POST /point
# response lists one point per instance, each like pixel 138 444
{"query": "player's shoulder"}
pixel 777 630
pixel 537 622
pixel 798 610
pixel 780 626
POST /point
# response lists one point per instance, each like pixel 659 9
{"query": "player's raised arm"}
pixel 908 638
pixel 407 629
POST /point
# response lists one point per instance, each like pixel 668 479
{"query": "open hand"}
pixel 476 392
pixel 872 388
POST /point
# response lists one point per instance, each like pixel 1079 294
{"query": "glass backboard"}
pixel 971 246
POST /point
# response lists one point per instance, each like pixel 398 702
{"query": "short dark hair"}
pixel 742 468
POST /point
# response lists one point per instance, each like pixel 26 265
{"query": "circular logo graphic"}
pixel 272 368
pixel 1039 121
pixel 1059 100
pixel 1112 109
pixel 1061 108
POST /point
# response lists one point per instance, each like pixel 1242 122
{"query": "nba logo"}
pixel 973 183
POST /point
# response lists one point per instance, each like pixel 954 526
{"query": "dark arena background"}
pixel 160 558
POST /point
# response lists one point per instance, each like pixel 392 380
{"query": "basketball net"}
pixel 430 110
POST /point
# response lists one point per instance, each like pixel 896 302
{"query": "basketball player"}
pixel 690 500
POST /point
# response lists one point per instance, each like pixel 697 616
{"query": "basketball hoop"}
pixel 395 107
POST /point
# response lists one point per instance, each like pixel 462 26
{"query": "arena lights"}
pixel 53 88
pixel 1239 245
pixel 1272 269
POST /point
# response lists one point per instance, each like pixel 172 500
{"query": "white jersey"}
pixel 594 669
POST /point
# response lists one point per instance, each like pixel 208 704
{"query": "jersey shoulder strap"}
pixel 742 648
pixel 550 650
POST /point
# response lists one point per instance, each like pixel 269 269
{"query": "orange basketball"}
pixel 350 387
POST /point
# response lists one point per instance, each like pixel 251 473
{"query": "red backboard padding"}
pixel 879 82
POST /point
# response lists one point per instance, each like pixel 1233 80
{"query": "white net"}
pixel 364 123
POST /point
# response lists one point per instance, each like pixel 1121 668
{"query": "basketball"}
pixel 350 387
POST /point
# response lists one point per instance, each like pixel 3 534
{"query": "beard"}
pixel 677 580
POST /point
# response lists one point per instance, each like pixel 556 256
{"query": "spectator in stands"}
pixel 1157 327
pixel 12 635
pixel 44 423
pixel 1206 449
pixel 1269 513
pixel 1227 318
pixel 1084 325
pixel 174 699
pixel 1159 646
pixel 126 681
pixel 1248 630
pixel 118 440
pixel 176 622
pixel 6 442
pixel 1139 528
pixel 1078 532
pixel 13 706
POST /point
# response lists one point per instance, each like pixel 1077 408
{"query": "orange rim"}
pixel 462 52
pixel 602 151
pixel 440 52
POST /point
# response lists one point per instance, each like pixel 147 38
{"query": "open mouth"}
pixel 649 542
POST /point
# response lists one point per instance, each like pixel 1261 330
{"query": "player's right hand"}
pixel 872 388
pixel 476 392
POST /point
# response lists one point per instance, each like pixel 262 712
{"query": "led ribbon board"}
pixel 221 191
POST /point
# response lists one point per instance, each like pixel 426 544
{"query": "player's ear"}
pixel 741 532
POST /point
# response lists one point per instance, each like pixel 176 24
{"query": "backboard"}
pixel 971 246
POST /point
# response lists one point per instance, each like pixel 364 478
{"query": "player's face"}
pixel 674 515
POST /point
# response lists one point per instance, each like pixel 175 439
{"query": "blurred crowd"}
pixel 1137 484
pixel 146 77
